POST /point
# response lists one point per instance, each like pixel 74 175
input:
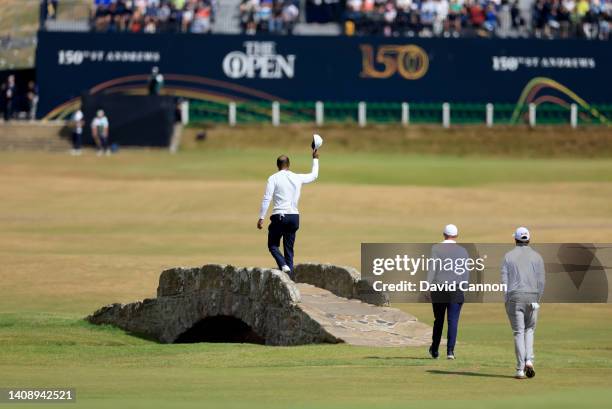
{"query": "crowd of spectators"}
pixel 153 16
pixel 269 16
pixel 568 18
pixel 550 18
pixel 590 19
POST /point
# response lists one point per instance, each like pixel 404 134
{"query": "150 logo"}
pixel 409 61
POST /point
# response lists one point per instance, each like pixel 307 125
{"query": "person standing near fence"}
pixel 9 90
pixel 99 132
pixel 32 99
pixel 523 274
pixel 78 121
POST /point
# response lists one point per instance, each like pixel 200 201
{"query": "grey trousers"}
pixel 523 319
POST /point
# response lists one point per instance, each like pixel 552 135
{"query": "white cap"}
pixel 317 141
pixel 451 230
pixel 522 234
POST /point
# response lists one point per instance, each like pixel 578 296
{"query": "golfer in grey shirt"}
pixel 523 273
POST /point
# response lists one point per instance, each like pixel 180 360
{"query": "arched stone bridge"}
pixel 231 304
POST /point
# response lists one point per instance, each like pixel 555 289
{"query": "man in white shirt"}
pixel 78 120
pixel 99 132
pixel 447 303
pixel 523 273
pixel 283 189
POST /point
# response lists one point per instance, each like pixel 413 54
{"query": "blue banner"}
pixel 306 68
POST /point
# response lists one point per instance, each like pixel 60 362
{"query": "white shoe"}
pixel 99 153
pixel 450 356
pixel 108 153
pixel 529 371
pixel 286 269
pixel 520 374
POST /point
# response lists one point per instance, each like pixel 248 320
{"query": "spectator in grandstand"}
pixel 580 15
pixel 268 16
pixel 605 21
pixel 563 13
pixel 202 18
pixel 247 16
pixel 476 15
pixel 136 22
pixel 99 132
pixel 263 14
pixel 152 16
pixel 518 22
pixel 455 15
pixel 290 15
pixel 428 15
pixel 9 94
pixel 327 11
pixel 441 14
pixel 390 15
pixel 490 23
pixel 540 17
pixel 48 11
pixel 276 19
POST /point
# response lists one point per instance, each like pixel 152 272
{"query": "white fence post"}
pixel 446 115
pixel 185 112
pixel 362 114
pixel 231 114
pixel 574 115
pixel 532 115
pixel 405 113
pixel 319 113
pixel 275 113
pixel 489 115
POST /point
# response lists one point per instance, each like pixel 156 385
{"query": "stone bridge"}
pixel 216 303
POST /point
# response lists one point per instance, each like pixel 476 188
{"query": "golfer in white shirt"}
pixel 283 189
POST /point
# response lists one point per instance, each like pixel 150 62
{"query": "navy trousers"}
pixel 452 311
pixel 76 140
pixel 283 227
pixel 104 143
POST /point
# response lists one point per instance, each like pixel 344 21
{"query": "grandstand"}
pixel 426 18
pixel 446 62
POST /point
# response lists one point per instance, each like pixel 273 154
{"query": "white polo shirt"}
pixel 284 188
pixel 100 123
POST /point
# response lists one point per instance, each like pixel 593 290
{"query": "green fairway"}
pixel 340 167
pixel 81 232
pixel 108 367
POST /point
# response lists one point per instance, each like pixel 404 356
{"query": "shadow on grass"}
pixel 398 358
pixel 467 373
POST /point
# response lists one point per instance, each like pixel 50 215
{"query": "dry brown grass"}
pixel 73 242
pixel 502 141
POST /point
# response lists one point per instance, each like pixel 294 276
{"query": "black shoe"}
pixel 434 354
pixel 529 371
